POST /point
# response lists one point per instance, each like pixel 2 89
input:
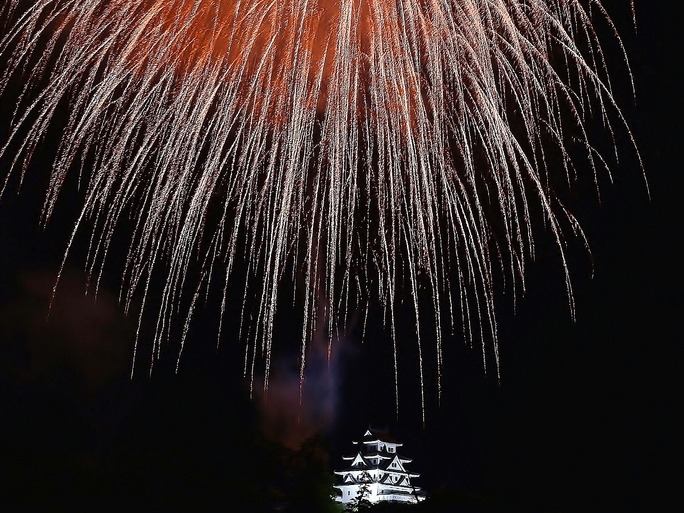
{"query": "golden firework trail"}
pixel 374 147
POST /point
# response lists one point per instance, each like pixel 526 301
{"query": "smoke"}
pixel 84 338
pixel 299 404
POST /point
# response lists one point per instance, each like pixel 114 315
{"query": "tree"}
pixel 309 485
pixel 361 503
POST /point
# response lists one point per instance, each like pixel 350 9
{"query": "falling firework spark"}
pixel 371 146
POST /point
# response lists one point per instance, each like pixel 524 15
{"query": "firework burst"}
pixel 374 147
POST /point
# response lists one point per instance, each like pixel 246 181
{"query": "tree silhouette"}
pixel 361 502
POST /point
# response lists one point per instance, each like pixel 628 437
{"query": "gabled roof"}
pixel 396 464
pixel 379 462
pixel 359 461
pixel 377 435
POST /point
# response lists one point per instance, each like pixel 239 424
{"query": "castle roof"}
pixel 377 435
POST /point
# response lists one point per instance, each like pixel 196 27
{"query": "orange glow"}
pixel 255 42
pixel 329 48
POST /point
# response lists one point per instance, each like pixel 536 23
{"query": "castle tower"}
pixel 377 472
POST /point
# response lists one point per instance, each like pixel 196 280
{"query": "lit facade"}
pixel 377 472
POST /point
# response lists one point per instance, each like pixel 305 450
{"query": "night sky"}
pixel 581 419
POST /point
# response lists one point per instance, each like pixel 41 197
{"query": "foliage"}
pixel 308 482
pixel 361 503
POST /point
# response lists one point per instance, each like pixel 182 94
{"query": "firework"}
pixel 374 147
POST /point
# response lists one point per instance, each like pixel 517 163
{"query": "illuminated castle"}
pixel 377 472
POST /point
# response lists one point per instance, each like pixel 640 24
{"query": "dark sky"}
pixel 581 419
